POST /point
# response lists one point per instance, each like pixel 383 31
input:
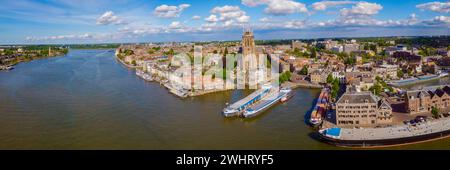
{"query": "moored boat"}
pixel 266 103
pixel 320 108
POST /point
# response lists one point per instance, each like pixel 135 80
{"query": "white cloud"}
pixel 264 19
pixel 278 7
pixel 166 11
pixel 196 17
pixel 85 36
pixel 109 18
pixel 438 21
pixel 212 18
pixel 228 15
pixel 295 24
pixel 362 9
pixel 323 5
pixel 175 25
pixel 442 7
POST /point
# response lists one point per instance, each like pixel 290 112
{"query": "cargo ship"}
pixel 320 108
pixel 267 102
pixel 386 136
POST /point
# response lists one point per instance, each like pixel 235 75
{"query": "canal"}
pixel 88 100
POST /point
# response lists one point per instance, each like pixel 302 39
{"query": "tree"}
pixel 313 52
pixel 376 89
pixel 285 76
pixel 330 79
pixel 435 112
pixel 335 88
pixel 133 62
pixel 304 70
pixel 400 73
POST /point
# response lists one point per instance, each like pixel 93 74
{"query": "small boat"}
pixel 288 96
pixel 229 112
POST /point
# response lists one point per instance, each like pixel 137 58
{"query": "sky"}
pixel 125 21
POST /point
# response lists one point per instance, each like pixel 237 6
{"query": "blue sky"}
pixel 102 21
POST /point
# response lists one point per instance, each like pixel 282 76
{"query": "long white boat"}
pixel 238 107
pixel 266 103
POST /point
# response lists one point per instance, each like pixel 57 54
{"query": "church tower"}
pixel 249 58
pixel 248 43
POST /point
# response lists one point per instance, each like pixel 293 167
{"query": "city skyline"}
pixel 53 22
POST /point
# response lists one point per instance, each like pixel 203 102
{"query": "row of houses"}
pixel 421 101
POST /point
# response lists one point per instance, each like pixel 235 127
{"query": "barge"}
pixel 320 108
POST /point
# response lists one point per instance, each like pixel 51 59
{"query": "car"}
pixel 421 119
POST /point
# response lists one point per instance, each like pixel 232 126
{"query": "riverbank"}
pixel 427 130
pixel 125 64
pixel 410 81
pixel 11 65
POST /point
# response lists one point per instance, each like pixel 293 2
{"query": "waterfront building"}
pixel 422 101
pixel 362 109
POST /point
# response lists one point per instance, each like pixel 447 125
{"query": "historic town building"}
pixel 362 109
pixel 420 101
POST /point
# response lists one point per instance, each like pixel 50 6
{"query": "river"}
pixel 88 100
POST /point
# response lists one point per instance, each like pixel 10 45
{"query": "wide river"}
pixel 88 100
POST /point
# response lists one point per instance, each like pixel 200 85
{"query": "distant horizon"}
pixel 237 40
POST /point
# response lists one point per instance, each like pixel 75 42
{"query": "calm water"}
pixel 87 100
